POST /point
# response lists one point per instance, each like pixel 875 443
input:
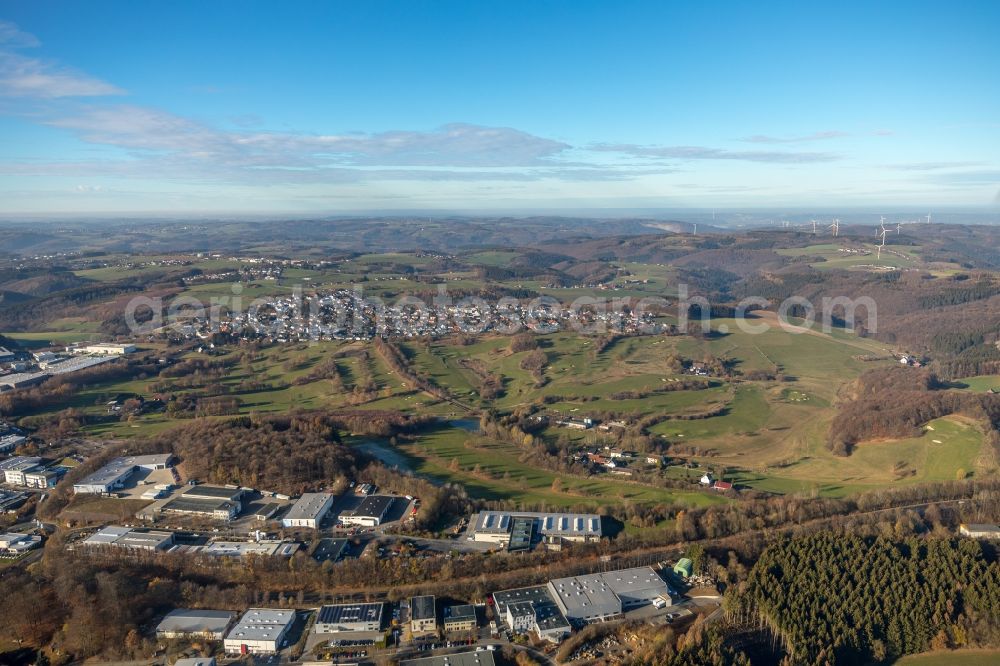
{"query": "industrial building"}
pixel 105 349
pixel 214 502
pixel 516 531
pixel 478 658
pixel 423 614
pixel 189 622
pixel 259 631
pixel 15 468
pixel 43 478
pixel 370 513
pixel 340 618
pixel 606 596
pixel 11 441
pixel 131 539
pixel 246 548
pixel 460 618
pixel 114 475
pixel 529 609
pixel 308 511
pixel 13 543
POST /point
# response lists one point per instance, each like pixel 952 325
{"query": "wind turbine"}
pixel 928 218
pixel 814 226
pixel 835 227
pixel 881 234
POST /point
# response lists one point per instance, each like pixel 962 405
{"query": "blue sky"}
pixel 330 107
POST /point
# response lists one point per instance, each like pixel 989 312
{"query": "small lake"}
pixel 386 453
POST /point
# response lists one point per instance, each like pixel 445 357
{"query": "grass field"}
pixel 493 470
pixel 952 658
pixel 981 383
pixel 834 255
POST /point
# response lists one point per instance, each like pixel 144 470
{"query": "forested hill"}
pixel 837 599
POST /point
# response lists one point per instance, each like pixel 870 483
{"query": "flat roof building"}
pixel 480 658
pixel 370 513
pixel 512 529
pixel 117 472
pixel 13 543
pixel 10 442
pixel 106 349
pixel 423 614
pixel 308 511
pixel 460 618
pixel 980 530
pixel 132 539
pixel 246 548
pixel 184 622
pixel 259 631
pixel 340 618
pixel 214 502
pixel 15 468
pixel 531 609
pixel 605 596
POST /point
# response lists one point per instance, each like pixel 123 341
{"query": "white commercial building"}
pixel 308 510
pixel 15 544
pixel 259 631
pixel 15 468
pixel 370 513
pixel 105 349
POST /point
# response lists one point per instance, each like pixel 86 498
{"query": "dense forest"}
pixel 838 598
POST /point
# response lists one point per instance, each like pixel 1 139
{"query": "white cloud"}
pixel 705 153
pixel 24 77
pixel 13 37
pixel 815 136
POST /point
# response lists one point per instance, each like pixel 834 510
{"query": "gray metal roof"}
pixel 311 506
pixel 481 658
pixel 194 621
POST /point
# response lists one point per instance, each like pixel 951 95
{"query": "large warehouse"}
pixel 340 618
pixel 499 527
pixel 308 511
pixel 215 502
pixel 185 622
pixel 606 596
pixel 131 539
pixel 259 631
pixel 117 472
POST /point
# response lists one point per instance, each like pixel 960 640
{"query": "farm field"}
pixel 952 658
